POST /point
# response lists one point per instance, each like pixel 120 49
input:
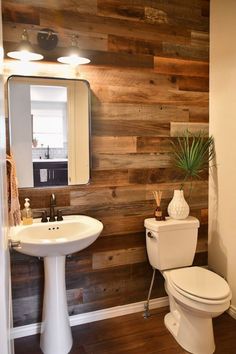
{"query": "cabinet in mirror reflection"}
pixel 49 130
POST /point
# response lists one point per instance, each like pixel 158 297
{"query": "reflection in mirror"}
pixel 49 130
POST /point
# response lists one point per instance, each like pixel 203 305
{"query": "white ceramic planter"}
pixel 178 208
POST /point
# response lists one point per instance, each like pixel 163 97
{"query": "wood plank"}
pixel 203 233
pixel 128 128
pixel 199 114
pixel 156 16
pixel 202 245
pixel 174 12
pixel 173 66
pixel 122 224
pixel 119 257
pixel 185 51
pixel 121 60
pixel 75 296
pixel 84 6
pixel 130 111
pixel 22 13
pixel 157 46
pixel 134 46
pixel 114 144
pixel 200 259
pixel 193 4
pixel 161 47
pixel 110 195
pixel 193 84
pixel 78 263
pixel 106 178
pixel 153 144
pixel 206 9
pixel 158 175
pixel 116 242
pixel 26 276
pixel 117 77
pixel 120 9
pixel 27 310
pixel 119 161
pixel 148 94
pixel 204 216
pixel 200 37
pixel 178 129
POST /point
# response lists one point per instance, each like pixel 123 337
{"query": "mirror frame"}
pixel 89 124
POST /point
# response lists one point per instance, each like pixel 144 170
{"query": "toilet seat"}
pixel 200 284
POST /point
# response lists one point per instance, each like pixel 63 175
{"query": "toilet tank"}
pixel 171 243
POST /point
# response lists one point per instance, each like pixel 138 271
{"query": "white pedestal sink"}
pixel 53 241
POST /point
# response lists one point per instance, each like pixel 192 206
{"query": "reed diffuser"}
pixel 158 212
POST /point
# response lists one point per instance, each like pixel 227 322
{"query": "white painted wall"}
pixel 222 196
pixel 5 294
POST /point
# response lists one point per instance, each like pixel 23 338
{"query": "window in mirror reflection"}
pixel 49 118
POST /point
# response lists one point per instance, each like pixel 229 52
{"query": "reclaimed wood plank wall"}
pixel 149 81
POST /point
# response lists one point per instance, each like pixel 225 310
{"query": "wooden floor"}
pixel 132 334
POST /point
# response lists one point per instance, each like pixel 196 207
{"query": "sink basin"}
pixel 58 238
pixel 53 241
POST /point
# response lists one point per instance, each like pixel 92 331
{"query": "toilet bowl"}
pixel 196 294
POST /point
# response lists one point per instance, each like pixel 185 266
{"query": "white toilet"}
pixel 196 295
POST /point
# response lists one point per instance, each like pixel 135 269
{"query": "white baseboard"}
pixel 34 328
pixel 232 311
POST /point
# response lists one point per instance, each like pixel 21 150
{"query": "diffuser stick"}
pixel 158 212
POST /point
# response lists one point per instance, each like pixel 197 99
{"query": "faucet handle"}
pixel 59 215
pixel 44 216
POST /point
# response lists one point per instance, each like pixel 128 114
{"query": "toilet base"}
pixel 194 334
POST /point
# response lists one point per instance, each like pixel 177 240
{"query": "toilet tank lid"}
pixel 171 224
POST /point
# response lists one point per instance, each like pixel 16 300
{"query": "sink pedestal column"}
pixel 56 335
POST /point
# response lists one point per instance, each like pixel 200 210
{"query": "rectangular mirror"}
pixel 49 124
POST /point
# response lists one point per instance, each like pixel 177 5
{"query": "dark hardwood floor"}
pixel 132 334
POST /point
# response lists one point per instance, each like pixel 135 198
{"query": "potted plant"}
pixel 192 154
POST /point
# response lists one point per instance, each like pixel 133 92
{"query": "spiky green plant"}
pixel 192 154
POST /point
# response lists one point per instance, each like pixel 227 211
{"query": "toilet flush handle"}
pixel 150 235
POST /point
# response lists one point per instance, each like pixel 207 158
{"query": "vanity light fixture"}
pixel 24 50
pixel 47 39
pixel 73 57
